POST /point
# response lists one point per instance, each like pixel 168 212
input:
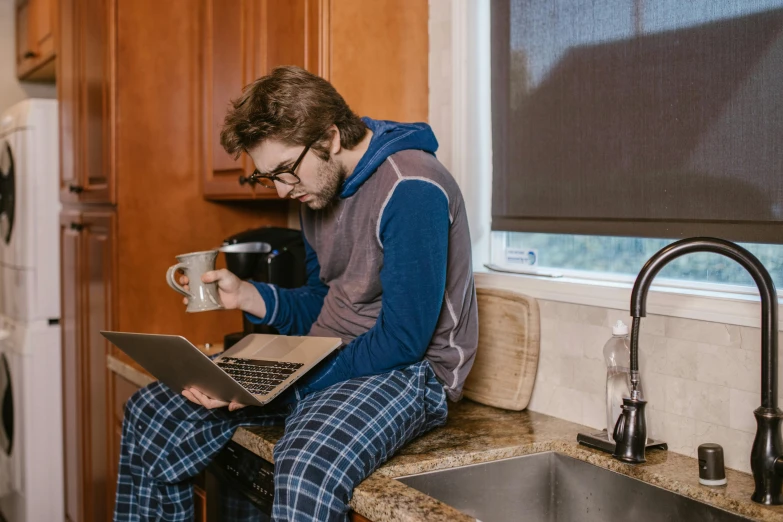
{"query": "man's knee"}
pixel 154 394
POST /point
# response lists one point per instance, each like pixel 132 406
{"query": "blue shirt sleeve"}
pixel 414 233
pixel 293 310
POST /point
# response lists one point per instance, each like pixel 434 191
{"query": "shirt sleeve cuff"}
pixel 272 301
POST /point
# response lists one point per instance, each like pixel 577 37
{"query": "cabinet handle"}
pixel 246 179
pixel 77 227
pixel 30 54
pixel 75 189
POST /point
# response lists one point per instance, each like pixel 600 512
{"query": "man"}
pixel 389 272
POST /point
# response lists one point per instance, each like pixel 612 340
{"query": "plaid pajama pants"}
pixel 333 440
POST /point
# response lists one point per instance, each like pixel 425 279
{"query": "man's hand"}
pixel 234 293
pixel 194 395
pixel 228 286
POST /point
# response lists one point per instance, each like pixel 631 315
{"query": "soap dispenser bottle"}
pixel 617 354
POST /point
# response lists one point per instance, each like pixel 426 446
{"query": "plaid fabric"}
pixel 333 440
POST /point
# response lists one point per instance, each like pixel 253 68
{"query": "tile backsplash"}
pixel 702 379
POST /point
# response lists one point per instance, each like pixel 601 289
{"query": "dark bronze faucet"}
pixel 765 457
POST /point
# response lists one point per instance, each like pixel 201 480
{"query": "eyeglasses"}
pixel 286 176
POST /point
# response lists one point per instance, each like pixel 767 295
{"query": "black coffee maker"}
pixel 268 255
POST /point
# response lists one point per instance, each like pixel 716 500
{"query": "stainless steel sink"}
pixel 554 487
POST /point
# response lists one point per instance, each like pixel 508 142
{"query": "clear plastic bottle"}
pixel 617 354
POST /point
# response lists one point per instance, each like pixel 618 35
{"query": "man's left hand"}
pixel 194 395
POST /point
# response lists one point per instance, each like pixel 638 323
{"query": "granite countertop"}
pixel 475 433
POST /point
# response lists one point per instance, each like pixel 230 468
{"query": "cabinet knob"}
pixel 30 54
pixel 246 179
pixel 77 227
pixel 75 189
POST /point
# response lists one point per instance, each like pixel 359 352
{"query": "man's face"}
pixel 320 180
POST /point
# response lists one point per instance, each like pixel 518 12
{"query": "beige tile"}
pixel 667 356
pixel 542 391
pixel 750 338
pixel 648 356
pixel 589 376
pixel 733 367
pixel 680 358
pixel 565 312
pixel 677 431
pixel 613 315
pixel 703 331
pixel 594 410
pixel 559 338
pixel 546 309
pixel 592 315
pixel 655 386
pixel 736 444
pixel 741 406
pixel 564 403
pixel 556 369
pixel 592 340
pixel 698 400
pixel 653 325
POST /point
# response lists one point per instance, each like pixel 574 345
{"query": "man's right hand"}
pixel 234 293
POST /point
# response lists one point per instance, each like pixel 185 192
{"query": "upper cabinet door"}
pixel 86 95
pixel 243 40
pixel 35 49
pixel 377 57
pixel 375 53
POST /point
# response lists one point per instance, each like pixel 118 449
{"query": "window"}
pixel 621 258
pixel 657 120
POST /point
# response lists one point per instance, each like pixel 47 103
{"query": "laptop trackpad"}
pixel 277 349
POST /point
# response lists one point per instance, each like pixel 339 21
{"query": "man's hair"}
pixel 293 106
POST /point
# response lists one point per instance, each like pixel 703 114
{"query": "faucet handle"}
pixel 619 426
pixel 630 432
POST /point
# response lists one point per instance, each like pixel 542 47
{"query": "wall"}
pixel 702 379
pixel 459 78
pixel 11 89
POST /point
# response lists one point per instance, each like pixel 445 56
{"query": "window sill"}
pixel 737 309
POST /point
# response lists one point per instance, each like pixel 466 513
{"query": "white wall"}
pixel 11 90
pixel 459 107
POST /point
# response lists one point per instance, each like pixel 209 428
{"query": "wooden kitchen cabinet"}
pixel 242 41
pixel 35 39
pixel 375 53
pixel 131 188
pixel 86 95
pixel 87 279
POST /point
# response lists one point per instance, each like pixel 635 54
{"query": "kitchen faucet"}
pixel 766 457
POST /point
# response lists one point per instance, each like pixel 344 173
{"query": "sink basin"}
pixel 554 487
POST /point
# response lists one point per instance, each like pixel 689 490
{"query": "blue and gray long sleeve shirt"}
pixel 389 268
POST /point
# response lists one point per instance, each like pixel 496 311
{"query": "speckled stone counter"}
pixel 476 433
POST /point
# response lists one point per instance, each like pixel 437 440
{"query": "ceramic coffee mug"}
pixel 202 297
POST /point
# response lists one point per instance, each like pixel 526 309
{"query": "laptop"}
pixel 253 371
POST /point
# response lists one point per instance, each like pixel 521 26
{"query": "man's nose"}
pixel 282 189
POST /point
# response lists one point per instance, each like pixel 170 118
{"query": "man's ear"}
pixel 334 139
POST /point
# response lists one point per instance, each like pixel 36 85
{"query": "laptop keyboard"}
pixel 258 377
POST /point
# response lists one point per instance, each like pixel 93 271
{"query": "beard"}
pixel 329 178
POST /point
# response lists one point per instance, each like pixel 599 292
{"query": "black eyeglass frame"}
pixel 258 177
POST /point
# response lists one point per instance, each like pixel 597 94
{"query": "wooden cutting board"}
pixel 504 371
